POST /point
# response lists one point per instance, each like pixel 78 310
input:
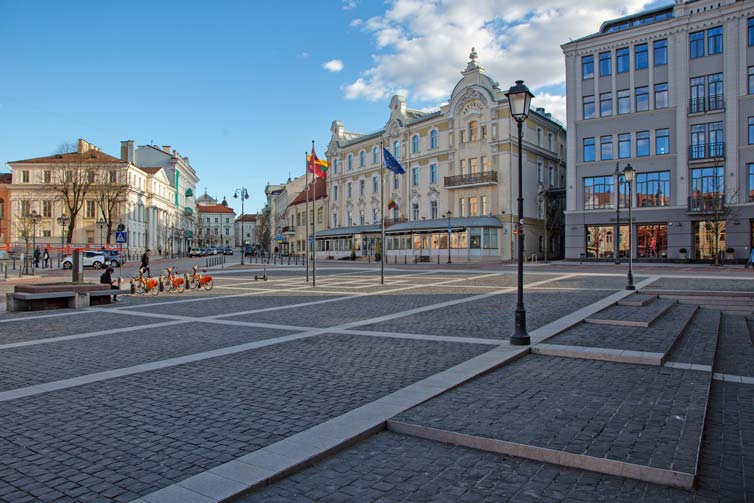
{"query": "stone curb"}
pixel 630 323
pixel 602 354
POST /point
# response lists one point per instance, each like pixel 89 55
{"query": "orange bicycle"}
pixel 172 282
pixel 197 280
pixel 144 284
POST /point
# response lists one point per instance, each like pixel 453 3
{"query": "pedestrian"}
pixel 46 258
pixel 751 258
pixel 159 251
pixel 37 255
pixel 144 267
pixel 107 279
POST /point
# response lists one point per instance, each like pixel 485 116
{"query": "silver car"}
pixel 94 259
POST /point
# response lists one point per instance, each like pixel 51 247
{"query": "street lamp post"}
pixel 244 195
pixel 101 225
pixel 616 239
pixel 35 219
pixel 63 221
pixel 449 214
pixel 628 174
pixel 542 198
pixel 519 100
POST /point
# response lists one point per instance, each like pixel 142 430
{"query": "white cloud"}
pixel 355 23
pixel 424 44
pixel 334 65
pixel 303 55
pixel 350 4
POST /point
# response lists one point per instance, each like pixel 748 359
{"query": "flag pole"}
pixel 314 226
pixel 306 222
pixel 382 214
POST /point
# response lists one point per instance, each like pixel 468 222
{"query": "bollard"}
pixel 438 260
pixel 405 259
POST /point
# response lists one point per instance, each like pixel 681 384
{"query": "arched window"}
pixel 350 161
pixel 397 148
pixel 433 139
pixel 335 166
pixel 473 131
pixel 375 155
pixel 415 144
pixel 362 158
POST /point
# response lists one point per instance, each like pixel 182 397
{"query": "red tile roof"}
pixel 151 171
pixel 90 156
pixel 249 217
pixel 213 208
pixel 318 187
pixel 6 177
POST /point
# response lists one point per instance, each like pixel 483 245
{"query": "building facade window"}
pixel 433 140
pixel 396 182
pixel 642 99
pixel 750 168
pixel 642 143
pixel 348 190
pixel 750 81
pixel 335 193
pixel 606 148
pixel 587 67
pixel 652 189
pixel 715 91
pixel 432 174
pixel 588 149
pixel 751 130
pixel 696 44
pixel 599 240
pixel 374 184
pixel 606 104
pixel 622 60
pixel 375 155
pixel 662 141
pixel 25 176
pixel 433 209
pixel 361 188
pixel 397 148
pixel 750 31
pixel 362 159
pixel 641 56
pixel 652 240
pixel 698 137
pixel 91 209
pixel 707 187
pixel 25 207
pixel 715 139
pixel 47 177
pixel 606 64
pixel 661 95
pixel 624 145
pixel 415 176
pixel 660 48
pixel 415 211
pixel 589 107
pixel 715 40
pixel 624 101
pixel 350 162
pixel 415 144
pixel 598 192
pixel 696 95
pixel 335 166
pixel 47 209
pixel 473 206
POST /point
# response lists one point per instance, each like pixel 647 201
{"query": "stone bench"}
pixel 99 297
pixel 24 301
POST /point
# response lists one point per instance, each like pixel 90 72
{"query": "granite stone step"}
pixel 637 300
pixel 698 344
pixel 635 421
pixel 630 316
pixel 735 351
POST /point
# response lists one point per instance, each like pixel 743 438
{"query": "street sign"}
pixel 450 229
pixel 280 237
pixel 121 236
pixel 311 240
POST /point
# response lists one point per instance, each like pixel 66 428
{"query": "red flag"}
pixel 316 165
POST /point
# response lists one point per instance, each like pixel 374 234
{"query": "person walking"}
pixel 751 258
pixel 144 267
pixel 46 258
pixel 37 255
pixel 107 279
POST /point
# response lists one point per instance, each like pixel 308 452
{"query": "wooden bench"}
pixel 99 297
pixel 23 301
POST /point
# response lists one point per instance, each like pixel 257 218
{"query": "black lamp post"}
pixel 628 174
pixel 36 218
pixel 519 100
pixel 63 221
pixel 617 176
pixel 449 214
pixel 244 195
pixel 101 225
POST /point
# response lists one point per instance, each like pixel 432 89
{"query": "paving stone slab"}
pixel 658 338
pixel 143 432
pixel 735 351
pixel 705 284
pixel 647 417
pixel 698 343
pixel 615 282
pixel 632 316
pixel 637 300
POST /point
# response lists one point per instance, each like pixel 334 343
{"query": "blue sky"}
pixel 239 86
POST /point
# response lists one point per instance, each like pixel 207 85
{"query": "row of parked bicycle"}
pixel 170 281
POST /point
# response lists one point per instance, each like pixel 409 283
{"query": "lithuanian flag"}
pixel 316 165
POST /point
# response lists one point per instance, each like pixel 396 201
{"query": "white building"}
pixel 215 226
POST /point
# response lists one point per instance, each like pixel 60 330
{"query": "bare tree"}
pixel 71 180
pixel 110 193
pixel 263 228
pixel 719 210
pixel 24 229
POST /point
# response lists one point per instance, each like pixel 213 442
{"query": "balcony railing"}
pixel 697 105
pixel 393 221
pixel 707 150
pixel 716 102
pixel 289 229
pixel 707 104
pixel 488 177
pixel 711 203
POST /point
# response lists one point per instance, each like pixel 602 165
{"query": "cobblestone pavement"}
pixel 657 338
pixel 632 413
pixel 737 284
pixel 212 307
pixel 699 341
pixel 644 314
pixel 587 282
pixel 735 354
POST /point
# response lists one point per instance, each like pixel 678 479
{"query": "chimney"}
pixel 127 151
pixel 166 149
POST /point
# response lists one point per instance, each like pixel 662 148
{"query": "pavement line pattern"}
pixel 282 458
pixel 603 354
pixel 688 366
pixel 732 378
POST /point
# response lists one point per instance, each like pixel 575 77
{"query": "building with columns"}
pixel 671 92
pixel 461 162
pixel 215 222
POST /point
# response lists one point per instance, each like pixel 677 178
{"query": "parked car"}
pixel 228 251
pixel 95 259
pixel 115 257
pixel 195 252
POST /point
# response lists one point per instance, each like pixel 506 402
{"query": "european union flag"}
pixel 391 163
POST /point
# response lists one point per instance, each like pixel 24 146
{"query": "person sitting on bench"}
pixel 107 279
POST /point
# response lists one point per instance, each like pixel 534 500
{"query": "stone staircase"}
pixel 731 302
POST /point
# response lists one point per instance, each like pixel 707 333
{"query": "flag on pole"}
pixel 391 204
pixel 391 163
pixel 316 165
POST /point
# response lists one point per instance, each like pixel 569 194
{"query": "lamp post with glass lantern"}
pixel 101 225
pixel 449 214
pixel 63 221
pixel 617 176
pixel 628 174
pixel 35 218
pixel 542 198
pixel 519 100
pixel 244 195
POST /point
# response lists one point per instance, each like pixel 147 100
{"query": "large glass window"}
pixel 662 141
pixel 397 148
pixel 715 40
pixel 660 52
pixel 642 143
pixel 707 188
pixel 433 209
pixel 622 60
pixel 652 189
pixel 350 162
pixel 433 139
pixel 641 56
pixel 587 67
pixel 642 99
pixel 709 239
pixel 750 168
pixel 415 144
pixel 715 91
pixel 750 81
pixel 750 31
pixel 661 95
pixel 624 101
pixel 375 185
pixel 598 192
pixel 415 176
pixel 375 155
pixel 696 44
pixel 362 158
pixel 589 107
pixel 652 240
pixel 751 130
pixel 599 241
pixel 606 64
pixel 715 139
pixel 624 145
pixel 698 137
pixel 433 173
pixel 606 104
pixel 588 149
pixel 696 96
pixel 606 148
